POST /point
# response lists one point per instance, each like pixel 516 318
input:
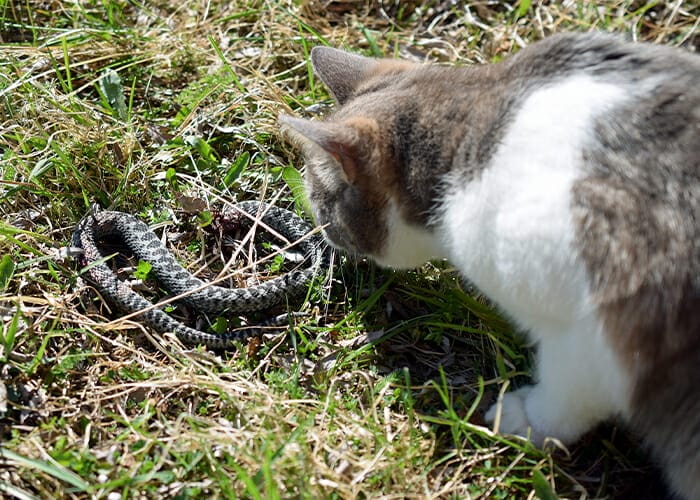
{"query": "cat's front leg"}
pixel 512 415
pixel 531 412
pixel 581 383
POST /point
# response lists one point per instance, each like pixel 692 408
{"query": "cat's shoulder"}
pixel 601 55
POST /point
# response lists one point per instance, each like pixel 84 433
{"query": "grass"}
pixel 168 110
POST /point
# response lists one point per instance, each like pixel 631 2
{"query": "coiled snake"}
pixel 145 245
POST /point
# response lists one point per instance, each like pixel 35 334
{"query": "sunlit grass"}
pixel 157 108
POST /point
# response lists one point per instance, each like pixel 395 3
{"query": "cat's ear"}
pixel 341 71
pixel 348 143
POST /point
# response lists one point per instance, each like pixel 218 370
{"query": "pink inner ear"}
pixel 344 156
pixel 347 162
pixel 333 138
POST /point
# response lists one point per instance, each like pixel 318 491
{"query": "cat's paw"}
pixel 513 416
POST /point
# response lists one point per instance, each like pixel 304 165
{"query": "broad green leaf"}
pixel 237 169
pixel 542 487
pixel 7 270
pixel 372 43
pixel 142 270
pixel 295 181
pixel 204 218
pixel 523 7
pixel 171 176
pixel 111 86
pixel 204 149
pixel 251 488
pixel 41 166
pixel 220 325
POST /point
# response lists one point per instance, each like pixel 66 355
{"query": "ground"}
pixel 168 110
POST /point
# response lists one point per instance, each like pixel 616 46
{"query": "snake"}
pixel 99 226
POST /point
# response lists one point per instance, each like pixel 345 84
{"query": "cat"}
pixel 564 183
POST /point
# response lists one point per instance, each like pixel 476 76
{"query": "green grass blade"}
pixel 7 270
pixel 542 487
pixel 8 337
pixel 15 492
pixel 224 61
pixel 52 469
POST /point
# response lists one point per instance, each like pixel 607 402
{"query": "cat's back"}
pixel 637 104
pixel 599 56
pixel 638 205
pixel 658 107
pixel 649 134
pixel 594 148
pixel 602 55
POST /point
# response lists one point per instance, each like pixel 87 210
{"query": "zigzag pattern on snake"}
pixel 175 279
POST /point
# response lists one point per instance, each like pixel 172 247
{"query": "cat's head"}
pixel 352 171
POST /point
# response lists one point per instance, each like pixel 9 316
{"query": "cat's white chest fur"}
pixel 512 234
pixel 511 230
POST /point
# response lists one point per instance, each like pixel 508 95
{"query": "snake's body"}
pixel 175 279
